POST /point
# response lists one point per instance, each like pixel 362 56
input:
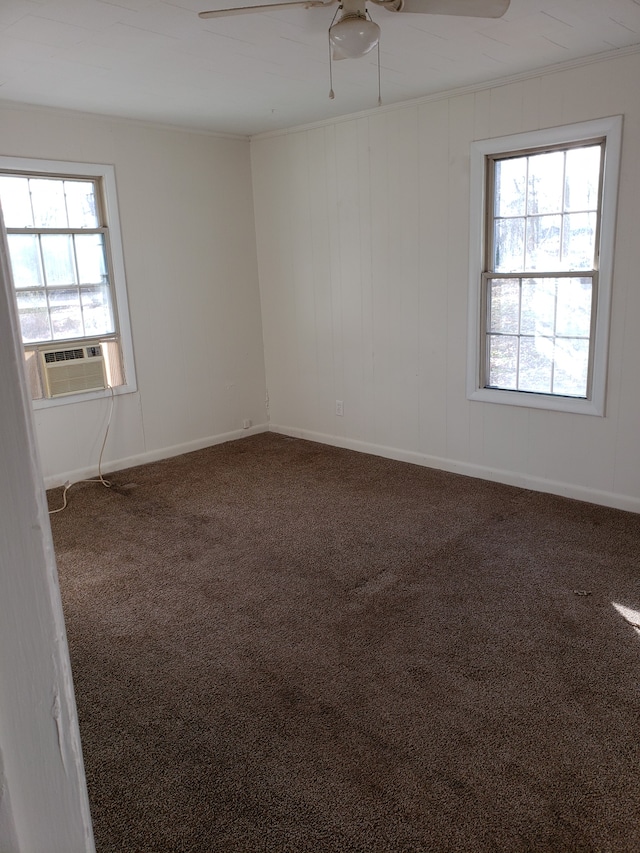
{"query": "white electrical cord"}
pixel 99 479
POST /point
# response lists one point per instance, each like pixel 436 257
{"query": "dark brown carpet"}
pixel 284 647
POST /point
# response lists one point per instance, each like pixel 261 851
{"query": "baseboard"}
pixel 509 478
pixel 151 456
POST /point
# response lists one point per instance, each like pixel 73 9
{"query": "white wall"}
pixel 186 213
pixel 362 231
pixel 43 797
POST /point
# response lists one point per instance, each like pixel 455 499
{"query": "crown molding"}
pixel 20 106
pixel 462 90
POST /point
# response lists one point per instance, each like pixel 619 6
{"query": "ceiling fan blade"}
pixel 467 8
pixel 266 7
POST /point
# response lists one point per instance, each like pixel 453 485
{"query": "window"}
pixel 542 234
pixel 68 273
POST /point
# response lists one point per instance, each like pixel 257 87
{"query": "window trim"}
pixel 105 175
pixel 610 129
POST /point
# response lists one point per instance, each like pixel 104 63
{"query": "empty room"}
pixel 319 426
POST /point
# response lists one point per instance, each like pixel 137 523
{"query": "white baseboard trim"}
pixel 151 456
pixel 509 478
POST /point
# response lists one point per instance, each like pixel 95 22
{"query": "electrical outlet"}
pixel 246 423
pixel 339 408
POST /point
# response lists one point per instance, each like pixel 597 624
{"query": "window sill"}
pixel 537 401
pixel 83 397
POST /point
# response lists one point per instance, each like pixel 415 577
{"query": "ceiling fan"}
pixel 355 34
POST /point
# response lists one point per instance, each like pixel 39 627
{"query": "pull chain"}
pixel 379 91
pixel 331 92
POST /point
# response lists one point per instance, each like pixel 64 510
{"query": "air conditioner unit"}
pixel 79 367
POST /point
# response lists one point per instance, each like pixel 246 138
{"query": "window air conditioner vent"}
pixel 63 355
pixel 73 370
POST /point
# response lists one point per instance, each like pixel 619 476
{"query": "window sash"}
pixel 47 288
pixel 490 196
pixel 488 332
pixel 490 274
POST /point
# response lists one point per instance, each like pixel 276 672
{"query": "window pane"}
pixel 96 310
pixel 548 352
pixel 34 316
pixel 574 307
pixel 509 245
pixel 543 243
pixel 538 306
pixel 504 301
pixel 572 367
pixel 582 178
pixel 81 204
pixel 25 260
pixel 57 254
pixel 503 361
pixel 579 241
pixel 536 360
pixel 47 197
pixel 510 187
pixel 16 202
pixel 66 313
pixel 90 258
pixel 546 173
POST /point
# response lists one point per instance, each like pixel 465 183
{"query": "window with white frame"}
pixel 542 237
pixel 68 272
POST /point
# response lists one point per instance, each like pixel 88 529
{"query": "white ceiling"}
pixel 156 60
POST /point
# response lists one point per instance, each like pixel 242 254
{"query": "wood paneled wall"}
pixel 186 212
pixel 362 231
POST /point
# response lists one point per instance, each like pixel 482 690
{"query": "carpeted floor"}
pixel 284 647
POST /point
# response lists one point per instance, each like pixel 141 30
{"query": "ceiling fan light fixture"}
pixel 354 36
